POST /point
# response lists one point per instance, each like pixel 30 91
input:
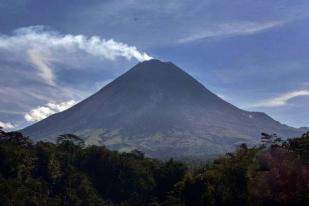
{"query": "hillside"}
pixel 161 110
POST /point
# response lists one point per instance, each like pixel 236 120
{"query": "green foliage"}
pixel 300 147
pixel 225 182
pixel 70 173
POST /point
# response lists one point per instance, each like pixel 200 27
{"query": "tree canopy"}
pixel 70 173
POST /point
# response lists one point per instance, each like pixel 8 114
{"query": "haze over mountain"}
pixel 161 110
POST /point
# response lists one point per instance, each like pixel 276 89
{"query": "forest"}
pixel 70 173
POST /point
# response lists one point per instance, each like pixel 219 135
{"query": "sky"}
pixel 253 54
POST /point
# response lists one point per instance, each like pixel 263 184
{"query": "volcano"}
pixel 161 110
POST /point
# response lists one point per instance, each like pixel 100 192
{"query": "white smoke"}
pixel 35 37
pixel 42 48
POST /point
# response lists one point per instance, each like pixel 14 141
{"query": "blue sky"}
pixel 253 54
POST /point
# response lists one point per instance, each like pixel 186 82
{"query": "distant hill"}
pixel 161 110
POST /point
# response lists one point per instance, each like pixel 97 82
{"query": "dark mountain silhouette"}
pixel 159 109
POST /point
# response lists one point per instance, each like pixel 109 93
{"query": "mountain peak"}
pixel 154 61
pixel 154 64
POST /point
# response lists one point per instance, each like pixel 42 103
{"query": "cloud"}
pixel 42 112
pixel 229 29
pixel 6 125
pixel 282 99
pixel 41 64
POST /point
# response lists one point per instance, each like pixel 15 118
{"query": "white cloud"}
pixel 6 125
pixel 282 99
pixel 41 64
pixel 231 29
pixel 42 112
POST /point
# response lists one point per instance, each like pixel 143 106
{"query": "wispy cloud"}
pixel 229 29
pixel 282 99
pixel 42 112
pixel 6 125
pixel 42 65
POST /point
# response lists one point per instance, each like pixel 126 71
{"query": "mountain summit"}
pixel 161 110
